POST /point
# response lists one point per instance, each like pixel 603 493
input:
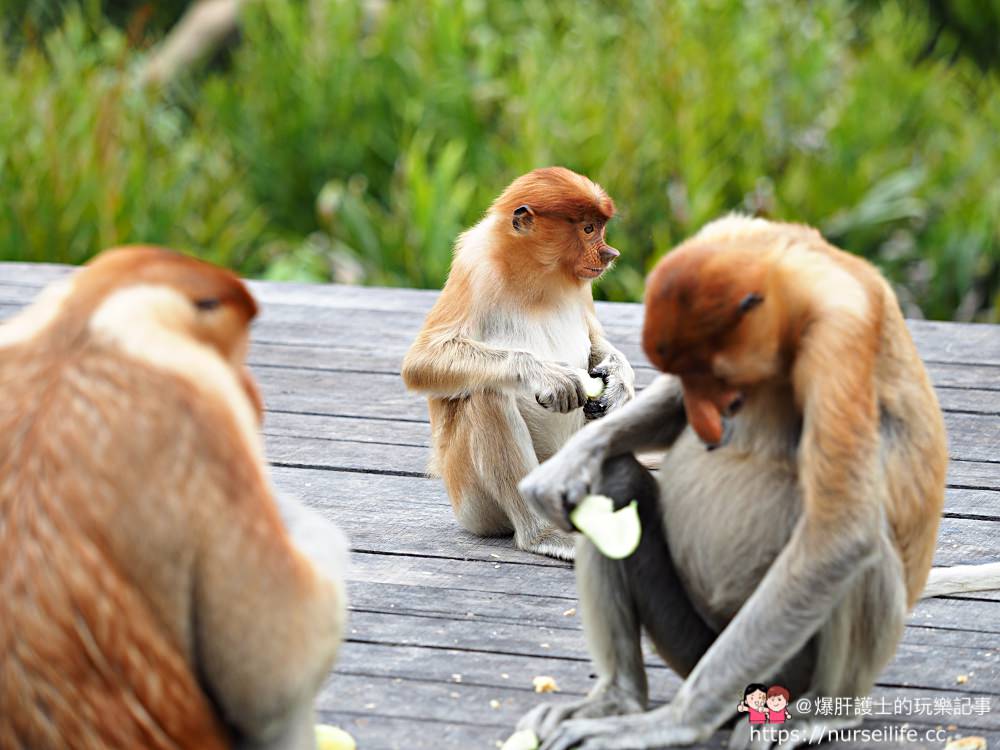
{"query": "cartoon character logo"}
pixel 777 704
pixel 754 703
pixel 765 705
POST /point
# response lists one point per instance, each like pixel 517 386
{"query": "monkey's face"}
pixel 577 246
pixel 558 218
pixel 592 255
pixel 706 323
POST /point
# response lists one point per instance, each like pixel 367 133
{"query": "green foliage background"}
pixel 353 140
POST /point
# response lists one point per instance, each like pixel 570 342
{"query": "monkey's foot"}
pixel 544 719
pixel 654 729
pixel 550 542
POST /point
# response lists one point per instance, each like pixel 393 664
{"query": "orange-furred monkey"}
pixel 790 553
pixel 154 592
pixel 504 353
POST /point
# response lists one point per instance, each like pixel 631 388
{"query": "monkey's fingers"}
pixel 600 371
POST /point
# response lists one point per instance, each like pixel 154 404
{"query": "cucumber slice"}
pixel 593 387
pixel 615 533
pixel 523 740
pixel 333 738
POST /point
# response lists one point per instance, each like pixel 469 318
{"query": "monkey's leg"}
pixel 617 598
pixel 490 452
pixel 857 642
pixel 793 601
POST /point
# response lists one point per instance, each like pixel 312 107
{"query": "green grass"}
pixel 352 144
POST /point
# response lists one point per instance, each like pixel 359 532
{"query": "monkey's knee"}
pixel 649 575
pixel 624 479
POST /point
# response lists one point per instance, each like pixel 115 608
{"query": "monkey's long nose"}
pixel 608 254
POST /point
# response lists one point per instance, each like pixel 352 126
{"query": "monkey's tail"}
pixel 962 579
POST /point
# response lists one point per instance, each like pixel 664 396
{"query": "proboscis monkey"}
pixel 504 353
pixel 791 552
pixel 154 591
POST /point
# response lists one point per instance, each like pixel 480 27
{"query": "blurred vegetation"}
pixel 353 140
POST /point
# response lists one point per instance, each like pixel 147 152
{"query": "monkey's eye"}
pixel 589 229
pixel 209 303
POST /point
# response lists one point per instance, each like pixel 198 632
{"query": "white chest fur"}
pixel 558 335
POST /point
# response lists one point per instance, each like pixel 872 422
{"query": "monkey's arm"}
pixel 612 367
pixel 654 419
pixel 448 364
pixel 269 616
pixel 840 533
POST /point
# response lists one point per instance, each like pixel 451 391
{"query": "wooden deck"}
pixel 448 630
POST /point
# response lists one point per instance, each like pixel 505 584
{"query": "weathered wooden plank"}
pixel 489 713
pixel 346 440
pixel 951 621
pixel 383 396
pixel 324 426
pixel 976 475
pixel 574 677
pixel 979 479
pixel 361 356
pixel 294 424
pixel 934 666
pixel 938 341
pixel 342 344
pixel 479 678
pixel 379 732
pixel 389 733
pixel 398 515
pixel 954 622
pixel 319 327
pixel 375 456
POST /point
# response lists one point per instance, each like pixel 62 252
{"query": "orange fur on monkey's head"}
pixel 713 318
pixel 553 219
pixel 203 301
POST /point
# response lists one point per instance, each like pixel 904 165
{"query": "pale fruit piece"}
pixel 523 740
pixel 966 743
pixel 333 738
pixel 545 684
pixel 593 387
pixel 615 533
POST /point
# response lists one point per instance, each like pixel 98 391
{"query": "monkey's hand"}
pixel 559 388
pixel 619 385
pixel 661 727
pixel 654 419
pixel 556 487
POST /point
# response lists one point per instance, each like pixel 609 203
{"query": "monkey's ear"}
pixel 749 302
pixel 524 217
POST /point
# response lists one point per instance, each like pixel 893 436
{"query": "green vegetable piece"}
pixel 615 533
